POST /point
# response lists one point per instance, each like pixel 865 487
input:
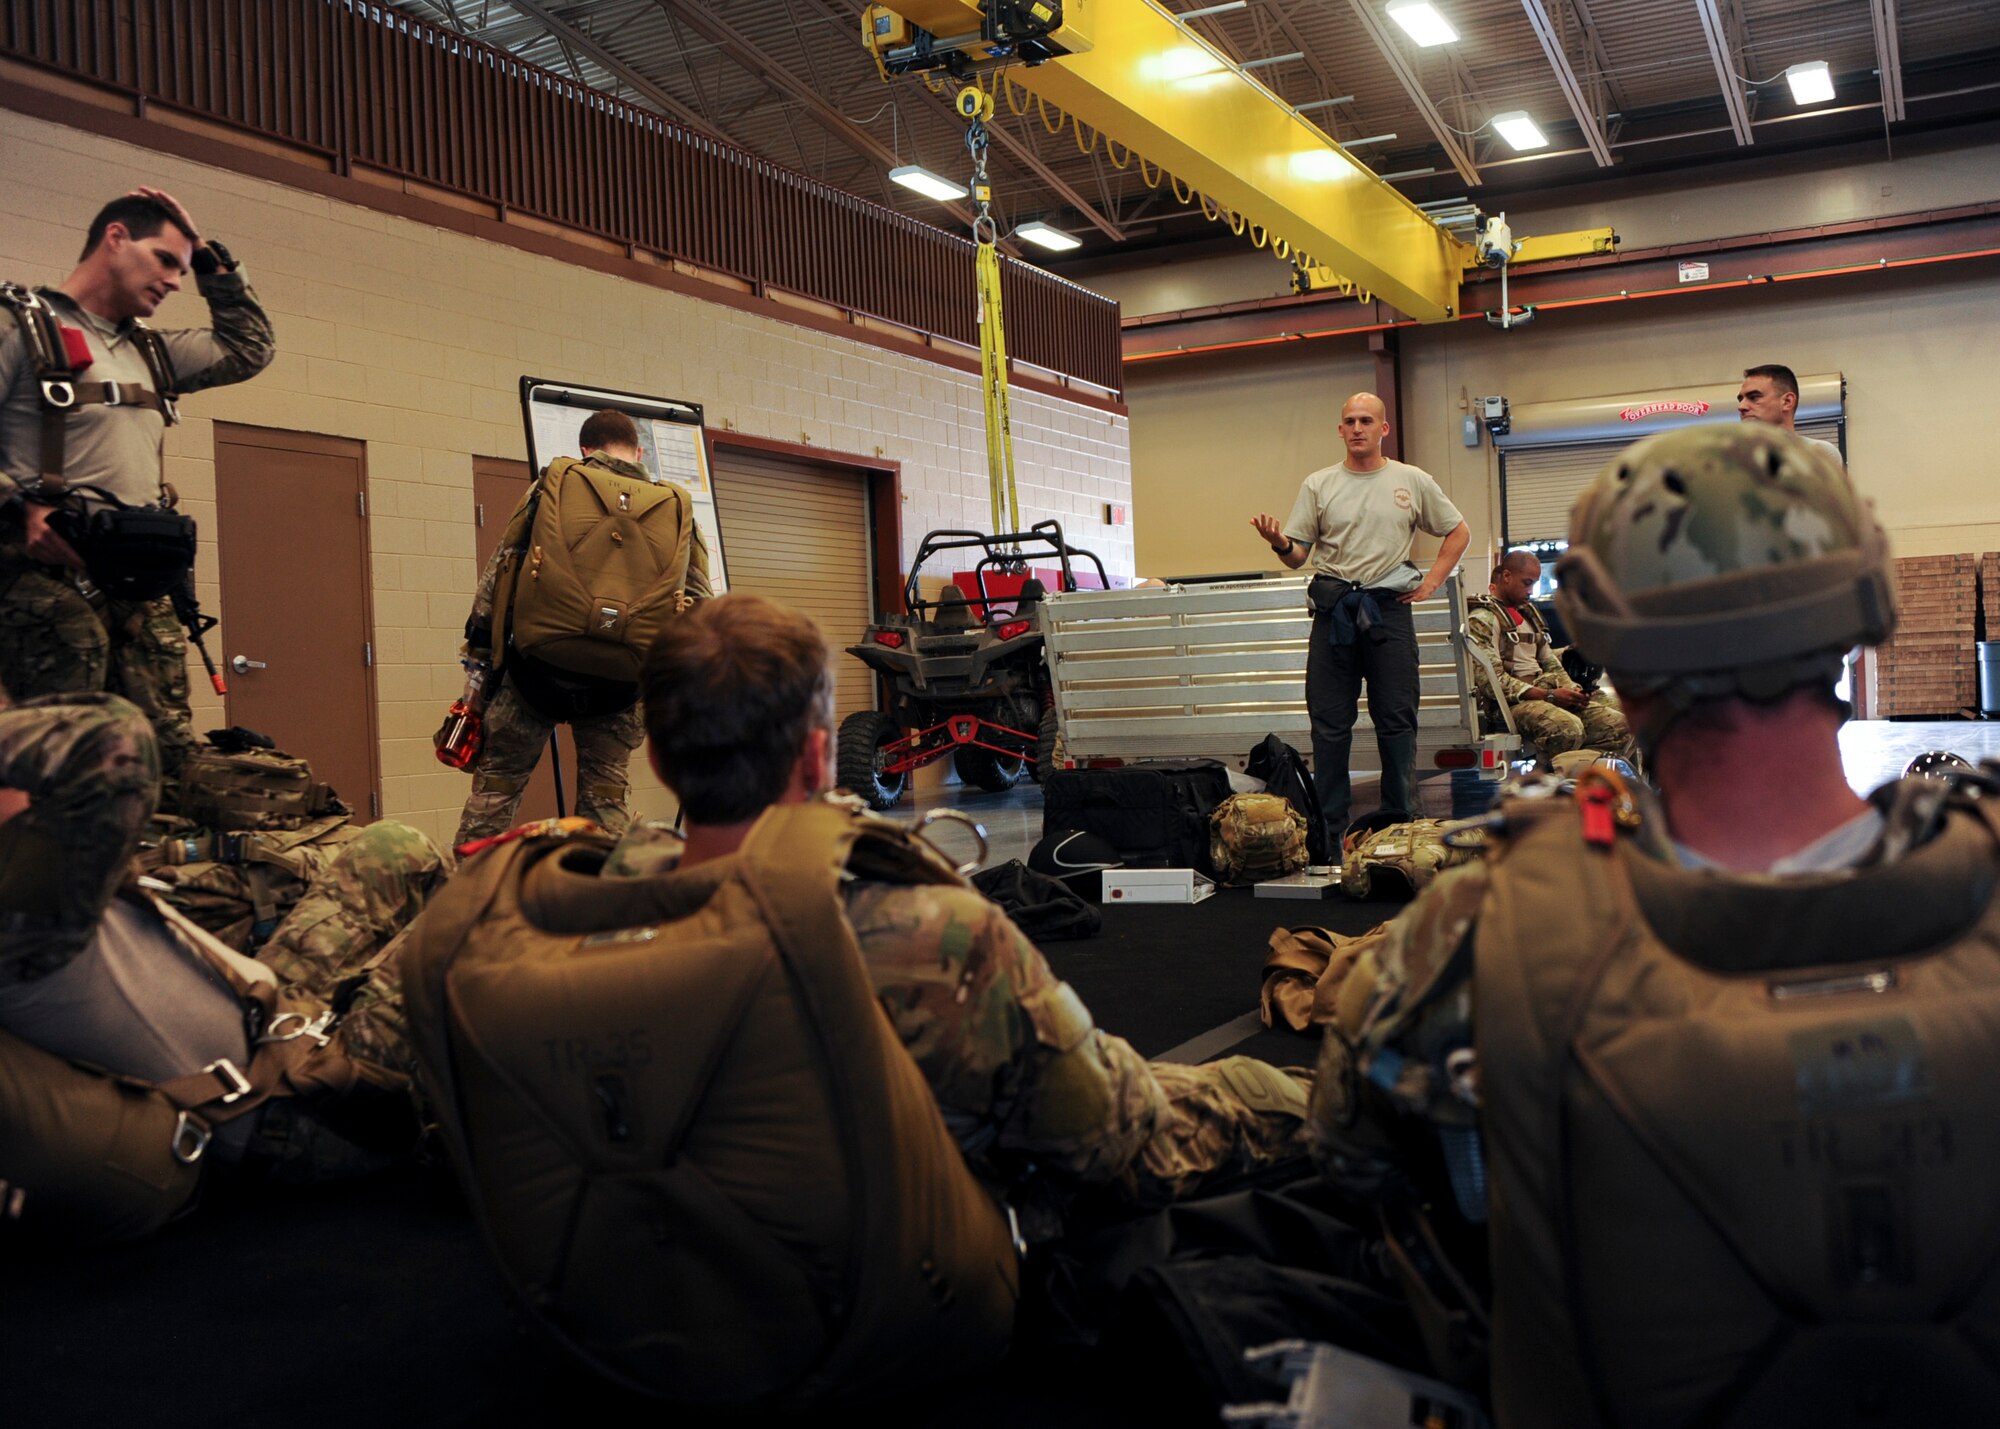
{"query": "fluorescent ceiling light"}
pixel 1520 131
pixel 1323 103
pixel 1211 10
pixel 930 185
pixel 1371 139
pixel 1422 21
pixel 1406 174
pixel 1045 236
pixel 1269 60
pixel 1811 83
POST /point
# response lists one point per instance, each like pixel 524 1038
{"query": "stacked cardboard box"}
pixel 1928 669
pixel 1989 592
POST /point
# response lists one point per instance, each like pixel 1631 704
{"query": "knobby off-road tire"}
pixel 859 759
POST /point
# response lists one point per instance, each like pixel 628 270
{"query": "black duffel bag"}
pixel 1155 814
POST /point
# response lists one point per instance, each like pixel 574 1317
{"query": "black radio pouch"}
pixel 129 552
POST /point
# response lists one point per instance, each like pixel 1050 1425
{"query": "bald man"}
pixel 1356 522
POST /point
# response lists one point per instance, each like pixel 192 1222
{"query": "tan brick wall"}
pixel 413 339
pixel 1928 668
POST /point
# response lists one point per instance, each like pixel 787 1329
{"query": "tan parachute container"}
pixel 601 567
pixel 1252 837
pixel 86 1157
pixel 1410 853
pixel 1742 1135
pixel 702 1157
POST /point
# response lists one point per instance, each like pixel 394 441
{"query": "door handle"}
pixel 243 665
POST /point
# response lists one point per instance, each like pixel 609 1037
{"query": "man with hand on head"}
pixel 63 631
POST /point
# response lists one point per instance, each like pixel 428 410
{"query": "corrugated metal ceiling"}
pixel 788 79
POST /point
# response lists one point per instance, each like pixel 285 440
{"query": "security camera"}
pixel 1495 245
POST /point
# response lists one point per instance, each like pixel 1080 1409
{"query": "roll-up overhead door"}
pixel 1553 449
pixel 798 532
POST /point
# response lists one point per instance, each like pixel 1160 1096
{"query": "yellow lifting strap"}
pixel 977 106
pixel 993 375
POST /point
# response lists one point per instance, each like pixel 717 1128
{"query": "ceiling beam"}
pixel 1888 58
pixel 564 33
pixel 732 42
pixel 1587 117
pixel 1392 55
pixel 1725 52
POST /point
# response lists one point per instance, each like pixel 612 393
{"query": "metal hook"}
pixel 959 817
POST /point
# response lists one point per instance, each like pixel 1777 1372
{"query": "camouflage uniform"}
pixel 91 774
pixel 517 733
pixel 58 634
pixel 1525 660
pixel 1025 1079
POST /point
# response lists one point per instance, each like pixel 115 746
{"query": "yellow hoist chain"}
pixel 1053 118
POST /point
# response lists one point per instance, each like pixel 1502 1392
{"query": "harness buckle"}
pixel 237 1085
pixel 113 397
pixel 190 1140
pixel 59 394
pixel 313 1027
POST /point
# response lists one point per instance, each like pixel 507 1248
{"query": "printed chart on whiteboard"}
pixel 671 443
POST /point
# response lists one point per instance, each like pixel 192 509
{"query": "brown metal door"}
pixel 292 531
pixel 497 488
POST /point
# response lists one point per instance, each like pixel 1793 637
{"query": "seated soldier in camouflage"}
pixel 739 715
pixel 1551 711
pixel 94 970
pixel 1704 1081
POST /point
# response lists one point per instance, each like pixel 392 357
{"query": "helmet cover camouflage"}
pixel 1727 560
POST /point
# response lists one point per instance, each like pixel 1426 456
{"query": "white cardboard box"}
pixel 1155 885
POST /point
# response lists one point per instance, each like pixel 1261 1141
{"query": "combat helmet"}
pixel 1723 560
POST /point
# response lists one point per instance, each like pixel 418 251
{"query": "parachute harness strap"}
pixel 992 332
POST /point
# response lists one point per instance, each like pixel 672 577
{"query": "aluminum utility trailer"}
pixel 1194 670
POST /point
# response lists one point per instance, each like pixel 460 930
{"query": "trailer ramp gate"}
pixel 1199 670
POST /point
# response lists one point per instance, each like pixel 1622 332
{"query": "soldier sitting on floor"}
pixel 1551 711
pixel 135 1049
pixel 739 716
pixel 748 1119
pixel 1702 1079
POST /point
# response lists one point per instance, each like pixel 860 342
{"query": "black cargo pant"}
pixel 1386 657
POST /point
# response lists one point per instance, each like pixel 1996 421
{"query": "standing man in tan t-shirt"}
pixel 1356 523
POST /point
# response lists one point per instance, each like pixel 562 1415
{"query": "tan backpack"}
pixel 86 1157
pixel 252 789
pixel 596 565
pixel 240 885
pixel 704 1160
pixel 1387 857
pixel 1253 837
pixel 1742 1133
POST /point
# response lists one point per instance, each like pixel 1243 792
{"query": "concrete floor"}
pixel 1872 752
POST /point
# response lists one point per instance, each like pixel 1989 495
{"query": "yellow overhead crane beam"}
pixel 1129 70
